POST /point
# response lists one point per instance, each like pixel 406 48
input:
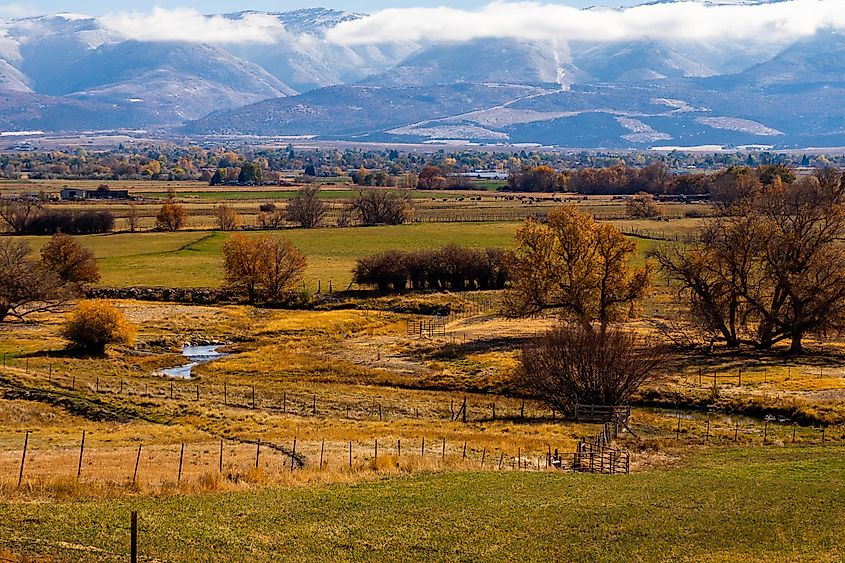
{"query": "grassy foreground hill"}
pixel 759 504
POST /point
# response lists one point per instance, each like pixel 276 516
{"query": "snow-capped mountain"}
pixel 278 74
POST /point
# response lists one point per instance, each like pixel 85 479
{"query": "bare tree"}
pixel 573 365
pixel 133 217
pixel 307 208
pixel 271 217
pixel 382 207
pixel 262 268
pixel 17 213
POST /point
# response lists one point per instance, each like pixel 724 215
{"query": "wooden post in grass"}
pixel 707 438
pixel 483 455
pixel 81 452
pixel 375 455
pixel 181 457
pixel 464 456
pixel 284 402
pixel 27 365
pixel 220 459
pixel 98 384
pixel 225 393
pixel 198 393
pixel 121 386
pixel 253 396
pixel 494 410
pixel 793 432
pixel 678 431
pixel 443 451
pixel 23 457
pixel 422 449
pixel 314 405
pixel 736 431
pixel 258 452
pixel 398 448
pixel 522 410
pixel 464 410
pixel 322 449
pixel 519 457
pixel 350 454
pixel 133 538
pixel 137 463
pixel 171 390
pixel 501 459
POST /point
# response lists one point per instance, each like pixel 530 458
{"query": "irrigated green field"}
pixel 193 258
pixel 759 504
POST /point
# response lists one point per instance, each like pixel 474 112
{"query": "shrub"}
pixel 263 268
pixel 94 325
pixel 451 267
pixel 49 222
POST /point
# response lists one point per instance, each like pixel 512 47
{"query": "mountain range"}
pixel 72 73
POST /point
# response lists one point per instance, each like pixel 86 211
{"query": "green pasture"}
pixel 762 504
pixel 193 258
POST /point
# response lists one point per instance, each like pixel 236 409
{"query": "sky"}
pixel 100 7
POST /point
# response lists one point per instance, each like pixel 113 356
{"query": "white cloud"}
pixel 678 21
pixel 183 24
pixel 11 11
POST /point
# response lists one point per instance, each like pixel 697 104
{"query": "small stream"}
pixel 196 355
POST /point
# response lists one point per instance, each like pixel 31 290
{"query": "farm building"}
pixel 103 192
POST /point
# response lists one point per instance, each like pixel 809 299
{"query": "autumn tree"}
pixel 772 269
pixel 94 325
pixel 576 266
pixel 573 365
pixel 307 208
pixel 171 217
pixel 262 269
pixel 26 285
pixel 227 218
pixel 72 263
pixel 642 206
pixel 133 217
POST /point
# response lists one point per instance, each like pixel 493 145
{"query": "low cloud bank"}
pixel 678 21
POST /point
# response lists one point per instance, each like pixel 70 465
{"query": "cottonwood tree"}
pixel 72 263
pixel 307 208
pixel 772 269
pixel 262 269
pixel 171 217
pixel 271 217
pixel 26 285
pixel 642 206
pixel 573 365
pixel 227 218
pixel 576 266
pixel 17 214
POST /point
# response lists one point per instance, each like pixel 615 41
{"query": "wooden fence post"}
pixel 171 390
pixel 133 538
pixel 422 449
pixel 225 393
pixel 258 452
pixel 375 456
pixel 137 463
pixel 81 452
pixel 293 454
pixel 23 457
pixel 501 459
pixel 465 451
pixel 483 455
pixel 220 459
pixel 443 451
pixel 253 396
pixel 181 457
pixel 322 448
pixel 350 454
